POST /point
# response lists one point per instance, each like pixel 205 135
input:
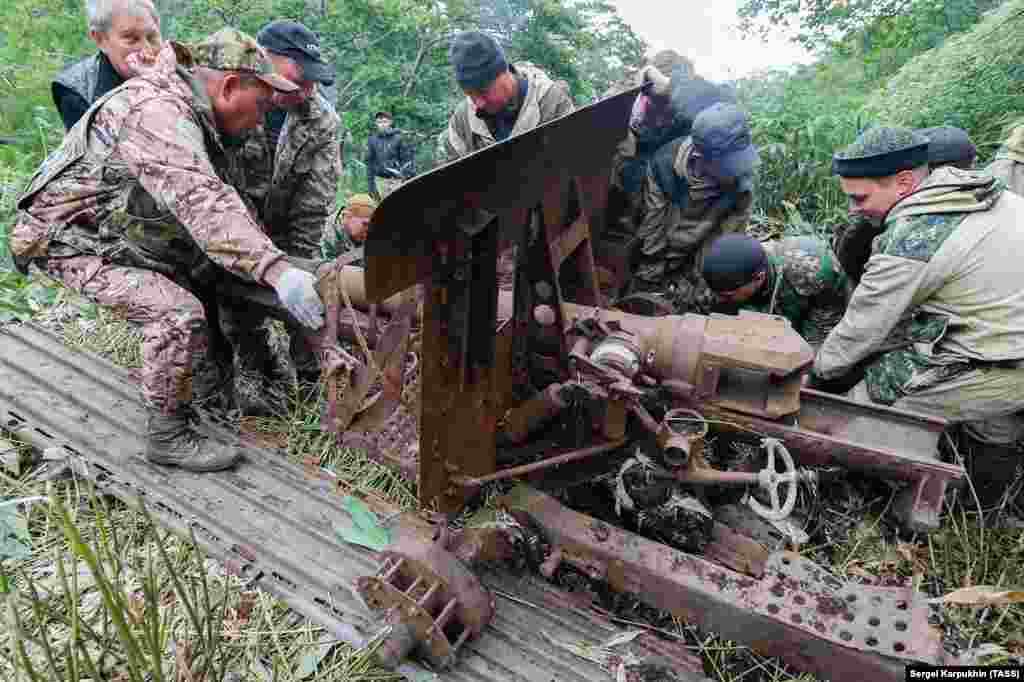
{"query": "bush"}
pixel 974 80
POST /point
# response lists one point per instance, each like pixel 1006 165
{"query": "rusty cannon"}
pixel 525 394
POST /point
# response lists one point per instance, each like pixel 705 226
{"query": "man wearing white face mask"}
pixel 290 167
pixel 127 33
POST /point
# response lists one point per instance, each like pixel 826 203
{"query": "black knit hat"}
pixel 879 152
pixel 732 261
pixel 948 144
pixel 477 59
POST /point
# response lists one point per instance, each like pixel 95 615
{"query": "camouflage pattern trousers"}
pixel 176 361
pixel 988 399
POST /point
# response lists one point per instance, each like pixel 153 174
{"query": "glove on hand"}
pixel 298 295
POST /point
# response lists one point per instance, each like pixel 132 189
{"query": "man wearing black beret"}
pixel 290 167
pixel 940 302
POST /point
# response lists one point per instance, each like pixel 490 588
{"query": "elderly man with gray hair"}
pixel 127 33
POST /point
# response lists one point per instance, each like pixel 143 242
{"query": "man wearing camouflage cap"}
pixel 291 164
pixel 940 295
pixel 1008 165
pixel 136 211
pixel 798 278
pixel 697 188
pixel 947 146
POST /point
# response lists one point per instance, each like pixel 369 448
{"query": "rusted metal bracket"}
pixel 797 611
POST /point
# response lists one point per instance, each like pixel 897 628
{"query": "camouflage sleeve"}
pixel 335 240
pixel 163 146
pixel 315 197
pixel 889 287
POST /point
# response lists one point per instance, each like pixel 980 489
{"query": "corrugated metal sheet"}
pixel 266 517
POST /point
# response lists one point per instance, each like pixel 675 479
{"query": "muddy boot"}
pixel 172 441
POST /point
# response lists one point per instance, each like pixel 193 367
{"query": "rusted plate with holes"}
pixel 891 621
pixel 509 175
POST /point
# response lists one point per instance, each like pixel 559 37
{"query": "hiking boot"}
pixel 171 440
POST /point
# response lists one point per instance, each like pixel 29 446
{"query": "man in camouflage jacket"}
pixel 291 167
pixel 136 210
pixel 798 278
pixel 944 277
pixel 697 188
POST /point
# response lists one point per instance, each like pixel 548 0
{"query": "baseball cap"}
pixel 231 50
pixel 293 40
pixel 722 135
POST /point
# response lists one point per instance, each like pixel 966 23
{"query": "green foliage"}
pixel 974 80
pixel 799 119
pixel 39 38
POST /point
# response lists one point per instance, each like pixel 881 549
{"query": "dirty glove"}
pixel 295 288
pixel 654 82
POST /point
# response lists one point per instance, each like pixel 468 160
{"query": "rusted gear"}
pixel 432 603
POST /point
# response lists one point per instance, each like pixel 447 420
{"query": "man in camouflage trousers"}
pixel 501 100
pixel 798 278
pixel 944 275
pixel 697 188
pixel 348 230
pixel 1008 165
pixel 136 210
pixel 291 166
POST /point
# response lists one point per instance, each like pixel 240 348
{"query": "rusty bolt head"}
pixel 545 315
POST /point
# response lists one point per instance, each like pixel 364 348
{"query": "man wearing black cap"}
pixel 389 160
pixel 697 188
pixel 502 99
pixel 947 146
pixel 796 277
pixel 291 167
pixel 943 279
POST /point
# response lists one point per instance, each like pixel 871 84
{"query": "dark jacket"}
pixel 76 87
pixel 388 156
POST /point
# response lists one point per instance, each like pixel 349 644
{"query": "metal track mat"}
pixel 267 519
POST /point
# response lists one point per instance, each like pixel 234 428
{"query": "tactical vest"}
pixel 139 232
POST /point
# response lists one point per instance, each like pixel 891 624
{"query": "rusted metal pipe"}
pixel 549 463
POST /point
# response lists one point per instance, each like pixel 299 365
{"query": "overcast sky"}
pixel 703 30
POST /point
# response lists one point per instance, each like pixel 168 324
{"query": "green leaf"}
pixel 15 542
pixel 361 526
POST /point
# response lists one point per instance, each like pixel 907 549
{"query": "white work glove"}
pixel 656 84
pixel 297 293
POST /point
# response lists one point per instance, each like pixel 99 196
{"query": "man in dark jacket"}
pixel 127 33
pixel 389 160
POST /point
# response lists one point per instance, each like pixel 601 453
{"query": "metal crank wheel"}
pixel 769 480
